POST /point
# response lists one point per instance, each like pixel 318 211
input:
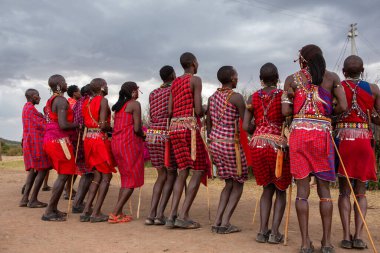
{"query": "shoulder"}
pixel 250 98
pixel 196 80
pixel 237 96
pixel 332 75
pixel 374 88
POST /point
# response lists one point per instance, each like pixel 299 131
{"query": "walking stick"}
pixel 288 214
pixel 353 195
pixel 208 205
pixel 138 205
pixel 72 178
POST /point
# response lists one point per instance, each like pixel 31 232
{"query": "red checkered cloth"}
pixel 72 102
pixel 128 150
pixel 97 147
pixel 53 135
pixel 223 117
pixel 34 125
pixel 158 101
pixel 268 120
pixel 181 138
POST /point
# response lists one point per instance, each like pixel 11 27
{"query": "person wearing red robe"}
pixel 308 97
pixel 127 147
pixel 74 95
pixel 157 139
pixel 57 143
pixel 185 108
pixel 36 161
pixel 264 106
pixel 355 139
pixel 97 149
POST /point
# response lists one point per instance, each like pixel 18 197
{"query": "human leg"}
pixel 28 186
pixel 33 202
pixel 302 208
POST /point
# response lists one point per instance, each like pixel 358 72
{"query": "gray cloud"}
pixel 131 40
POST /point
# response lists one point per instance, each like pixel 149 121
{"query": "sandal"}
pixel 23 204
pixel 327 249
pixel 63 214
pixel 215 229
pixel 359 244
pixel 228 229
pixel 275 239
pixel 77 209
pixel 101 218
pixel 263 237
pixel 346 244
pixel 53 217
pixel 46 188
pixel 37 204
pixel 169 223
pixel 149 221
pixel 159 221
pixel 186 224
pixel 84 217
pixel 307 250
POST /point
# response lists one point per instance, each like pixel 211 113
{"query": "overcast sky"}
pixel 122 40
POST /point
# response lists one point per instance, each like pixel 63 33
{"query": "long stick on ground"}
pixel 72 178
pixel 208 205
pixel 138 205
pixel 288 214
pixel 353 195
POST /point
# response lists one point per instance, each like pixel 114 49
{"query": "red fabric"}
pixel 359 159
pixel 34 126
pixel 53 134
pixel 268 120
pixel 183 105
pixel 72 102
pixel 158 109
pixel 97 147
pixel 244 143
pixel 128 149
pixel 223 117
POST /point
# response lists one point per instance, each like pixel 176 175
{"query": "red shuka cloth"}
pixel 264 156
pixel 183 106
pixel 128 150
pixel 97 147
pixel 51 140
pixel 34 126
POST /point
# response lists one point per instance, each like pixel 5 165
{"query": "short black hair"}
pixel 165 72
pixel 71 89
pixel 353 66
pixel 225 74
pixel 187 59
pixel 30 92
pixel 85 90
pixel 269 73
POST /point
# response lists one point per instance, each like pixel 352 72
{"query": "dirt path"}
pixel 21 229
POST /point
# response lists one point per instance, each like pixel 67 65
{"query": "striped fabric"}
pixel 223 117
pixel 158 102
pixel 128 150
pixel 268 121
pixel 34 125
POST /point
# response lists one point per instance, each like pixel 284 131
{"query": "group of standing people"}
pixel 293 130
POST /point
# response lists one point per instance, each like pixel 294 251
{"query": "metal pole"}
pixel 352 33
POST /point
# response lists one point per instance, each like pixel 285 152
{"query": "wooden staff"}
pixel 237 150
pixel 208 205
pixel 167 148
pixel 353 195
pixel 193 138
pixel 280 157
pixel 138 205
pixel 288 214
pixel 72 178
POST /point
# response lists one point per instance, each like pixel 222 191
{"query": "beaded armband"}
pixel 249 107
pixel 285 99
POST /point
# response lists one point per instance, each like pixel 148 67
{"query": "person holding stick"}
pixel 158 139
pixel 266 145
pixel 354 138
pixel 308 97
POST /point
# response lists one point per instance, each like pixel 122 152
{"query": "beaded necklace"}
pixel 262 95
pixel 229 92
pixel 354 105
pixel 166 85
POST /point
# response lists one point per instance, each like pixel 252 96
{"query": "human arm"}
pixel 248 116
pixel 61 105
pixel 196 87
pixel 339 94
pixel 208 119
pixel 134 107
pixel 286 98
pixel 376 93
pixel 170 106
pixel 104 125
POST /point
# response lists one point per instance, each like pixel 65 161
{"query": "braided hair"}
pixel 313 57
pixel 125 94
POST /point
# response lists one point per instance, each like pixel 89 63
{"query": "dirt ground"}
pixel 21 229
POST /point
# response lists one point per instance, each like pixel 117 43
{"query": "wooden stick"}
pixel 353 195
pixel 208 205
pixel 138 205
pixel 72 178
pixel 288 214
pixel 254 213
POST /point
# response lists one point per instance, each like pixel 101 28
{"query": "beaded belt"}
pixel 157 132
pixel 95 133
pixel 309 116
pixel 352 125
pixel 183 123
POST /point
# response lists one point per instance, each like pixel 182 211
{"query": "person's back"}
pixel 182 95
